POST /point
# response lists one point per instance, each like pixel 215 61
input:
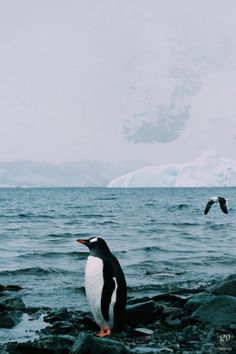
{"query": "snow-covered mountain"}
pixel 209 170
pixel 73 174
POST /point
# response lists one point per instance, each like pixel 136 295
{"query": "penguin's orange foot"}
pixel 104 332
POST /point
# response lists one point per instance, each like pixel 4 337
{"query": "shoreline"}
pixel 192 321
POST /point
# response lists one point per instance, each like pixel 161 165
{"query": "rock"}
pixel 150 350
pixel 62 326
pixel 3 307
pixel 197 300
pixel 60 315
pixel 14 303
pixel 176 323
pixel 87 344
pixel 208 348
pixel 172 311
pixel 219 311
pixel 7 320
pixel 56 344
pixel 144 331
pixel 13 287
pixel 141 313
pixel 10 287
pixel 66 337
pixel 225 287
pixel 138 300
pixel 27 348
pixel 170 298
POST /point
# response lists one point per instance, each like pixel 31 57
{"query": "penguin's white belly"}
pixel 94 282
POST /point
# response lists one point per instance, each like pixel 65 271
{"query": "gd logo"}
pixel 224 338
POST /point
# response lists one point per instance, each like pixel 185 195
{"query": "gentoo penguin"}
pixel 222 201
pixel 105 286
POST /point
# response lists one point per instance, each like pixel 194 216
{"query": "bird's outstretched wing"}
pixel 223 206
pixel 208 206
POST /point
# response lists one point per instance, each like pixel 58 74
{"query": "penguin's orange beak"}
pixel 84 242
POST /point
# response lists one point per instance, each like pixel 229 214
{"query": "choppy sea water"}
pixel 160 236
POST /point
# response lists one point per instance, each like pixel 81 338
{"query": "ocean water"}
pixel 161 237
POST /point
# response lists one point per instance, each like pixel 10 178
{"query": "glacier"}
pixel 209 170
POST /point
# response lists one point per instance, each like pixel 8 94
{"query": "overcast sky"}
pixel 117 79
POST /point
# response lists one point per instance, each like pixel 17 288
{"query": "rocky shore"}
pixel 196 321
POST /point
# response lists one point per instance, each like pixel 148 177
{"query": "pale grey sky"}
pixel 115 80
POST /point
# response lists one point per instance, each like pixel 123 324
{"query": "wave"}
pixel 61 234
pixel 171 286
pixel 74 254
pixel 164 273
pixel 106 198
pixel 31 215
pixel 34 271
pixel 150 204
pixel 92 216
pixel 176 207
pixel 75 289
pixel 185 224
pixel 108 222
pixel 213 226
pixel 147 287
pixel 149 249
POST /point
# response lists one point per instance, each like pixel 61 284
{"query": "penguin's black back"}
pixel 113 276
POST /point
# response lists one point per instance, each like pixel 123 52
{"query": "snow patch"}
pixel 209 170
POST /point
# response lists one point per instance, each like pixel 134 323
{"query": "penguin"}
pixel 222 201
pixel 105 286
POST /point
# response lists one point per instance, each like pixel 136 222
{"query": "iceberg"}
pixel 209 170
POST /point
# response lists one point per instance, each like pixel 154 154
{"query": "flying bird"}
pixel 222 202
pixel 105 286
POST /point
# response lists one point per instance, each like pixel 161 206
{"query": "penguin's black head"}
pixel 96 245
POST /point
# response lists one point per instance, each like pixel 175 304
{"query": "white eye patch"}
pixel 93 240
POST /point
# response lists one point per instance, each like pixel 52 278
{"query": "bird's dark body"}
pixel 222 202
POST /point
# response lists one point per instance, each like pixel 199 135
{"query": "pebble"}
pixel 151 350
pixel 145 331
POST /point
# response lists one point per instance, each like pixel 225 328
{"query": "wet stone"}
pixel 88 344
pixel 10 287
pixel 14 303
pixel 59 315
pixel 7 320
pixel 53 344
pixel 220 311
pixel 140 313
pixel 197 300
pixel 150 350
pixel 138 300
pixel 208 348
pixel 174 323
pixel 143 331
pixel 225 287
pixel 62 326
pixel 172 311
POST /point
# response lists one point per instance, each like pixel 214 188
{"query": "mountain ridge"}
pixel 84 173
pixel 209 170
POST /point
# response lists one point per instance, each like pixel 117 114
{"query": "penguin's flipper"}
pixel 223 206
pixel 107 291
pixel 208 206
